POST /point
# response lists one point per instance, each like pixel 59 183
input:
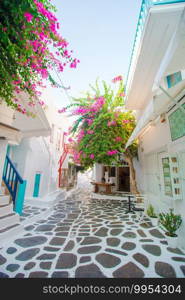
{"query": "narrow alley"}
pixel 86 238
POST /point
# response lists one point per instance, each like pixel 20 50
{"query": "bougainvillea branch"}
pixel 30 47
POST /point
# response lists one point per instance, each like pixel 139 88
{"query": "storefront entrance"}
pixel 124 179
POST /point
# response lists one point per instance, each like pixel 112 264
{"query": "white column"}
pixel 98 172
pixel 3 146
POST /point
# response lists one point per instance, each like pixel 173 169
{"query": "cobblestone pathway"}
pixel 90 238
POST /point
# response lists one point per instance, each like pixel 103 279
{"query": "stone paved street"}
pixel 85 238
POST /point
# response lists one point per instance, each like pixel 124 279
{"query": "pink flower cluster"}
pixel 80 135
pixel 90 131
pixel 118 139
pixel 116 79
pixel 112 152
pixel 42 58
pixel 89 121
pixel 92 156
pixel 62 110
pixel 111 123
pixel 126 121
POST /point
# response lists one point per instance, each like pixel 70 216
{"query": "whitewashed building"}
pixel 15 127
pixel 155 89
pixel 30 149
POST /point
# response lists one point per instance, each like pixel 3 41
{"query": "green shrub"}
pixel 150 211
pixel 170 222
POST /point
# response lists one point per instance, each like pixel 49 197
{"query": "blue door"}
pixel 36 185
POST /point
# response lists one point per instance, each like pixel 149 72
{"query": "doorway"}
pixel 124 179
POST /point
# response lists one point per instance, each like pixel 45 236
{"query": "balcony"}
pixel 157 23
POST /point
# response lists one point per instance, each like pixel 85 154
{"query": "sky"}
pixel 101 34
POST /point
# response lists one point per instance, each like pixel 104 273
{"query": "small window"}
pixel 173 79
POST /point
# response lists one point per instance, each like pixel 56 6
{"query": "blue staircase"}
pixel 15 185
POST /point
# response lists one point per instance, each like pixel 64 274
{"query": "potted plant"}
pixel 171 223
pixel 151 213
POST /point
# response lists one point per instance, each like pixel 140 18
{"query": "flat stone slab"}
pixel 110 250
pixel 11 250
pixel 146 225
pixel 130 270
pixel 13 267
pixel 90 240
pixel 70 245
pixel 29 265
pixel 38 274
pixel 116 231
pixel 107 260
pixel 4 275
pixel 46 256
pixel 31 241
pixel 66 261
pixel 52 249
pixel 156 233
pixel 175 250
pixel 88 249
pixel 20 275
pixel 102 232
pixel 85 259
pixel 30 227
pixel 2 259
pixel 152 249
pixel 182 259
pixel 60 275
pixel 57 241
pixel 28 254
pixel 46 265
pixel 113 242
pixel 164 270
pixel 142 259
pixel 183 269
pixel 62 228
pixel 45 228
pixel 128 246
pixel 129 234
pixel 146 241
pixel 141 233
pixel 89 271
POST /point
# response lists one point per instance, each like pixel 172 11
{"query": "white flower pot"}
pixel 172 241
pixel 154 221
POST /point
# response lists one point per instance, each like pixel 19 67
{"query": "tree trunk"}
pixel 133 183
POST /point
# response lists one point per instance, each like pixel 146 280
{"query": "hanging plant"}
pixel 31 47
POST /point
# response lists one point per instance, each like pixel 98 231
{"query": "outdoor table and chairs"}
pixel 104 184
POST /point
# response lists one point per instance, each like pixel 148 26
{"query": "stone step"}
pixel 6 209
pixel 4 200
pixel 9 219
pixel 2 190
pixel 10 232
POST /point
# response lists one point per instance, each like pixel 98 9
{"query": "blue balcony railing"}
pixel 15 184
pixel 145 7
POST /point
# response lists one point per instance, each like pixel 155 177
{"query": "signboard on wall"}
pixel 177 123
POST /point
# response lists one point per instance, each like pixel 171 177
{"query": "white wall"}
pixel 98 172
pixel 155 141
pixel 3 147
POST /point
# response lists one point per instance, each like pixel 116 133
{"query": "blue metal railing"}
pixel 15 184
pixel 145 7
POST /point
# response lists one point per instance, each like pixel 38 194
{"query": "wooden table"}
pixel 106 185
